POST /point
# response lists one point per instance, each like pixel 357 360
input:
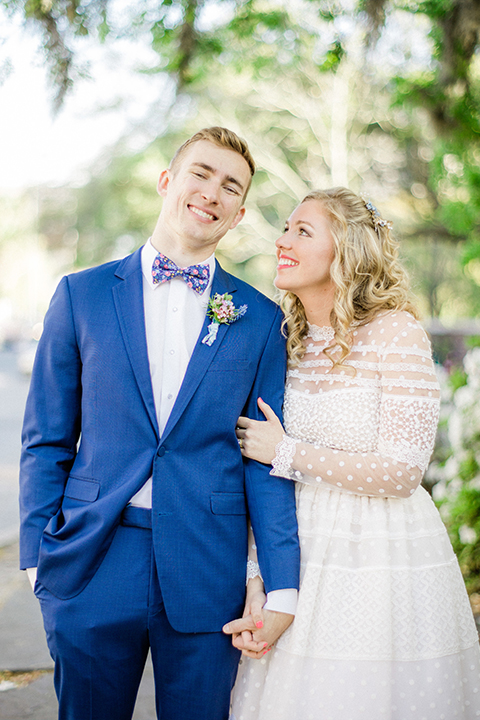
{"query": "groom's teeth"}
pixel 201 213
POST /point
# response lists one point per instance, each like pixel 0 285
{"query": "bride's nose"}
pixel 283 241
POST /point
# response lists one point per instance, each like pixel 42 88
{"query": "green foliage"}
pixel 187 47
pixel 435 8
pixel 116 212
pixel 459 485
pixel 457 378
pixel 464 512
pixel 333 57
pixel 468 467
pixel 269 70
pixel 471 251
pixel 472 341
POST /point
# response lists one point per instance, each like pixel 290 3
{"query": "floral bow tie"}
pixel 196 276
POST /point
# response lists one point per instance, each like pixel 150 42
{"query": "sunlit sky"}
pixel 35 146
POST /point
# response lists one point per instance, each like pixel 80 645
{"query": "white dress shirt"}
pixel 174 317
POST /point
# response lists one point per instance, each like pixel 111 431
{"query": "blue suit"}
pixel 91 440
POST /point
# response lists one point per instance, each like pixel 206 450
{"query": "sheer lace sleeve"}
pixel 253 568
pixel 395 462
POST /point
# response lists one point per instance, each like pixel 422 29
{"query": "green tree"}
pixel 316 84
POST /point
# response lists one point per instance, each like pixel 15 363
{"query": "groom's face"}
pixel 203 195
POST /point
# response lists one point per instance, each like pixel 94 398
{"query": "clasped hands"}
pixel 258 629
pixel 259 438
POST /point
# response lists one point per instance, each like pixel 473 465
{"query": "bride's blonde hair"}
pixel 366 272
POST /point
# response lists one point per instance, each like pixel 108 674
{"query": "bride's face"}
pixel 305 251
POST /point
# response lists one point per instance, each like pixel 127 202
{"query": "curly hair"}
pixel 366 273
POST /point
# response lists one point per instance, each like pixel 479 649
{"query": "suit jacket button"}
pixel 161 452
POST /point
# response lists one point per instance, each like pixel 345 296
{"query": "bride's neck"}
pixel 318 314
pixel 318 305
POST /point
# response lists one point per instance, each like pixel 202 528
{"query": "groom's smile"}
pixel 202 213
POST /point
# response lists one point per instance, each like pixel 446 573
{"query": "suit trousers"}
pixel 99 641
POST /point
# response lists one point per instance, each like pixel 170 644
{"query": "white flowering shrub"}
pixel 455 468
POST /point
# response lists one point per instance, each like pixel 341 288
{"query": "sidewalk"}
pixel 23 649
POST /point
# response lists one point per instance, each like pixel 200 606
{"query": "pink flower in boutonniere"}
pixel 222 311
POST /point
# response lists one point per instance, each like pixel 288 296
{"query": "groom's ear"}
pixel 239 216
pixel 163 182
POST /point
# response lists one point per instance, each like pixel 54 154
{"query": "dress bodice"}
pixel 369 426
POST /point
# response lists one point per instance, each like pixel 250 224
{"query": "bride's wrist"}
pixel 284 454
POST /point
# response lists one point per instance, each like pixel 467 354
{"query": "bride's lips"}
pixel 202 214
pixel 285 262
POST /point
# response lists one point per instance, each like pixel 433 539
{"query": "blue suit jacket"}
pixel 91 440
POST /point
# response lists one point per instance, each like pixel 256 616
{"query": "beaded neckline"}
pixel 317 333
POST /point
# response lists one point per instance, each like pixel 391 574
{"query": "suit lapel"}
pixel 202 354
pixel 128 298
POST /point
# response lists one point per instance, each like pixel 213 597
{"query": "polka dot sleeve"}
pixel 405 431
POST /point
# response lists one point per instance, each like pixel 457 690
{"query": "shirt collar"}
pixel 149 253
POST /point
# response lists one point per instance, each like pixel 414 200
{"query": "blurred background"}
pixel 377 95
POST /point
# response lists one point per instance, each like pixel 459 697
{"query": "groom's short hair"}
pixel 223 138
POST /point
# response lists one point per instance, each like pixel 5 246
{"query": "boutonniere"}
pixel 222 310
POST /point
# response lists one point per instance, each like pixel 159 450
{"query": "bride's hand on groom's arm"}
pixel 258 438
pixel 255 642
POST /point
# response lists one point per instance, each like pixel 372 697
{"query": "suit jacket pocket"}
pixel 81 489
pixel 228 503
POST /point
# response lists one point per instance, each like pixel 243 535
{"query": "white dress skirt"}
pixel 384 628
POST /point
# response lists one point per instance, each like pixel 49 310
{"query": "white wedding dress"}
pixel 384 628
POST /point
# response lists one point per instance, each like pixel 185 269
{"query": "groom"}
pixel 134 493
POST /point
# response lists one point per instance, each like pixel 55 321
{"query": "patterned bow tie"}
pixel 196 276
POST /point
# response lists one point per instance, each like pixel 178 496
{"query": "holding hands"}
pixel 258 438
pixel 258 629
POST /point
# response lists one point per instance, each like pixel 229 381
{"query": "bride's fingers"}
pixel 256 612
pixel 253 645
pixel 267 410
pixel 245 641
pixel 243 422
pixel 256 655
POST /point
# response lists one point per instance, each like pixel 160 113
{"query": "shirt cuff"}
pixel 282 601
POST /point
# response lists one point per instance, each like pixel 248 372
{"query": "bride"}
pixel 383 628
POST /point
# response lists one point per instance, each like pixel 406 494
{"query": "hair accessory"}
pixel 377 220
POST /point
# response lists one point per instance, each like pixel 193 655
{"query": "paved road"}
pixel 13 393
pixel 22 640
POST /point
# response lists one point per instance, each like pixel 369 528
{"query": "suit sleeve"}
pixel 51 427
pixel 271 502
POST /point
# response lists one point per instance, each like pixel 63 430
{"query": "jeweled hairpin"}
pixel 377 220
